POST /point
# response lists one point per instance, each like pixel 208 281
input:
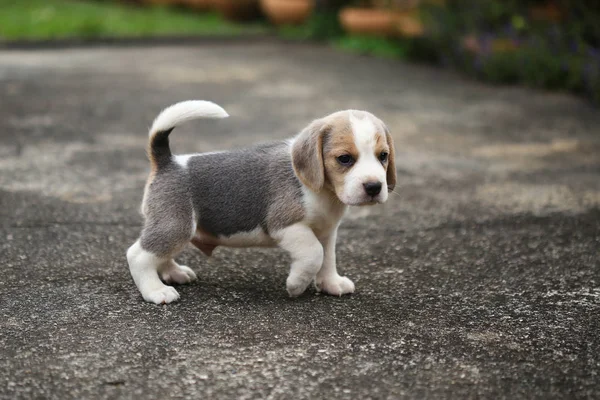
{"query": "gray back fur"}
pixel 241 190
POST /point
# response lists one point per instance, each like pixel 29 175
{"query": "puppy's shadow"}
pixel 239 273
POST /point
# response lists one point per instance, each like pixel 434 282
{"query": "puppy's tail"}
pixel 159 151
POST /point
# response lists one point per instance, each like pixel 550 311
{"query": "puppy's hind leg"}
pixel 171 272
pixel 143 266
pixel 154 252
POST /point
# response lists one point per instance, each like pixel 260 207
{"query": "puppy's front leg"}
pixel 307 256
pixel 328 280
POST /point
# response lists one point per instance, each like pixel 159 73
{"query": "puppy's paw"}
pixel 178 274
pixel 296 285
pixel 335 285
pixel 165 295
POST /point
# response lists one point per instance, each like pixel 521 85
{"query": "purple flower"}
pixel 574 46
pixel 510 31
pixel 594 53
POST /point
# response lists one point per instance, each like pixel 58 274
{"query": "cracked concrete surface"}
pixel 479 278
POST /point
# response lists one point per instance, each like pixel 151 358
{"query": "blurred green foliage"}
pixel 48 19
pixel 323 25
pixel 374 46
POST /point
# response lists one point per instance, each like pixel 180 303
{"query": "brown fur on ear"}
pixel 391 169
pixel 307 156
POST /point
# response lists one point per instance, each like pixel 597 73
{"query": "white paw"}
pixel 296 285
pixel 178 274
pixel 335 285
pixel 164 295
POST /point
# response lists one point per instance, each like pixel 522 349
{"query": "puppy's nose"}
pixel 372 188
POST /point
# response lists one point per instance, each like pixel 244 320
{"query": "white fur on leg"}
pixel 328 280
pixel 307 256
pixel 173 272
pixel 143 267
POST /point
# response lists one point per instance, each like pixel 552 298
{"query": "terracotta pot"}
pixel 548 12
pixel 368 21
pixel 281 12
pixel 409 25
pixel 381 22
pixel 197 4
pixel 237 10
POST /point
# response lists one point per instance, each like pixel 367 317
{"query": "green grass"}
pixel 379 47
pixel 320 26
pixel 51 19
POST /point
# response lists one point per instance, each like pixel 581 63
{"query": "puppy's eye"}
pixel 383 156
pixel 346 160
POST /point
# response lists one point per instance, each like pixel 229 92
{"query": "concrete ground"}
pixel 480 279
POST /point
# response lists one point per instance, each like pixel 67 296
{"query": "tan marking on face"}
pixel 380 142
pixel 338 142
pixel 381 145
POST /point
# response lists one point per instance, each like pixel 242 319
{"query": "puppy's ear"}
pixel 307 155
pixel 391 169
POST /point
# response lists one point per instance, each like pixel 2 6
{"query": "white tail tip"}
pixel 185 111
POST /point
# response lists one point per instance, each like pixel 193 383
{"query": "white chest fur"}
pixel 323 212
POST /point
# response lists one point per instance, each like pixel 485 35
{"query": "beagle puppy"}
pixel 290 194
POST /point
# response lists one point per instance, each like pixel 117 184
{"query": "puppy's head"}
pixel 350 153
